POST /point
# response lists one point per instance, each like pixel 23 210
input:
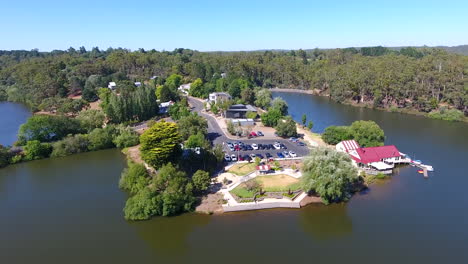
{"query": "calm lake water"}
pixel 69 210
pixel 12 115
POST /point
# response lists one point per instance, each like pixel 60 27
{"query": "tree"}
pixel 46 128
pixel 34 149
pixel 175 190
pixel 328 173
pixel 173 82
pixel 91 119
pixel 178 110
pixel 281 105
pixel 134 178
pixel 101 138
pixel 304 119
pixel 310 125
pixel 272 117
pixel 286 128
pixel 196 89
pixel 201 181
pixel 143 205
pixel 367 133
pixel 191 125
pixel 160 144
pixel 251 115
pixel 263 98
pixel 197 140
pixel 248 95
pixel 335 134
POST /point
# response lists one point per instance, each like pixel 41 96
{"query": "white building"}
pixel 215 98
pixel 137 84
pixel 185 88
pixel 112 85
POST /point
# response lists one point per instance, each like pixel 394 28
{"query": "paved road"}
pixel 216 135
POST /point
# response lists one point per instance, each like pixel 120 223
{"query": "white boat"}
pixel 427 167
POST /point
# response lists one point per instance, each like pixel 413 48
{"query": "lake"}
pixel 12 115
pixel 69 210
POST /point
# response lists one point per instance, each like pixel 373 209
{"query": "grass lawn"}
pixel 272 183
pixel 242 169
pixel 279 183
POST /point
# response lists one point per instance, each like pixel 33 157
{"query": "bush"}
pixel 447 114
pixel 70 145
pixel 160 144
pixel 367 133
pixel 5 156
pixel 34 149
pixel 134 178
pixel 272 117
pixel 126 137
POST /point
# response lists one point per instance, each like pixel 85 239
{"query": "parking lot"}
pixel 287 145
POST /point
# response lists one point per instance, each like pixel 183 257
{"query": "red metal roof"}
pixel 350 144
pixel 374 154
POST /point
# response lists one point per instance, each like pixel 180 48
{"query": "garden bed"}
pixel 273 186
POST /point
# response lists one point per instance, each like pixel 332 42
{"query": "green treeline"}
pixel 411 78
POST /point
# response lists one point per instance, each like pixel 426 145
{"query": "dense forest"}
pixel 421 79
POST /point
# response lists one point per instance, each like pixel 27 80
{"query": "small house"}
pixel 185 88
pixel 263 169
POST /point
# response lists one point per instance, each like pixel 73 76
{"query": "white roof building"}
pixel 112 85
pixel 137 84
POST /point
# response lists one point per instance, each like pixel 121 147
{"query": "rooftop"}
pixel 375 154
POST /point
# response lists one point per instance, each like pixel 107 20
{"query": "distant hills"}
pixel 460 49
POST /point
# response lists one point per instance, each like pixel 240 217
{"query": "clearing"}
pixel 242 169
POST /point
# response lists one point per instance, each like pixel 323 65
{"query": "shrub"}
pixel 70 145
pixel 126 137
pixel 91 119
pixel 34 149
pixel 143 205
pixel 447 114
pixel 46 128
pixel 101 138
pixel 286 128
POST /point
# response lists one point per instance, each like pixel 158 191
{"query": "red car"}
pixel 253 134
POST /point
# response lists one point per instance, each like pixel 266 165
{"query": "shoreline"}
pixel 407 111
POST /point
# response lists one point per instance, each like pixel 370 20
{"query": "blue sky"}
pixel 208 25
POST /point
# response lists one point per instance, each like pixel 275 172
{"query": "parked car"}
pixel 253 134
pixel 302 144
pixel 249 147
pixel 277 146
pixel 260 155
pixel 254 146
pixel 247 158
pixel 233 157
pixel 268 155
pixel 283 146
pixel 231 148
pixel 260 134
pixel 280 155
pixel 292 154
pixel 270 146
pixel 227 157
pixel 293 139
pixel 241 158
pixel 286 154
pixel 237 148
pixel 261 146
pixel 252 156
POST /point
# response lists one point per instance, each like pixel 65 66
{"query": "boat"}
pixel 427 167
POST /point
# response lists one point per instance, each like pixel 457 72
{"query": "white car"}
pixel 233 157
pixel 292 154
pixel 254 146
pixel 277 146
pixel 286 154
pixel 252 156
pixel 227 157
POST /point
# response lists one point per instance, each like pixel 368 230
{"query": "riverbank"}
pixel 367 105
